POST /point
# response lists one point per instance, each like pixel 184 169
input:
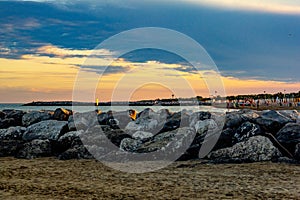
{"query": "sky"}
pixel 44 44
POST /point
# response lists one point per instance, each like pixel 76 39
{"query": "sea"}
pixel 113 108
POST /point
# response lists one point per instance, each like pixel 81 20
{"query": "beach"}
pixel 49 178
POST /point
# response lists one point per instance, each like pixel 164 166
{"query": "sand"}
pixel 49 178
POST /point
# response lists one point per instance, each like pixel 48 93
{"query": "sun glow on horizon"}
pixel 48 78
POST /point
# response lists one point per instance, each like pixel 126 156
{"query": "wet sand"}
pixel 48 178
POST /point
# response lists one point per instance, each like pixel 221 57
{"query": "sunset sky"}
pixel 44 44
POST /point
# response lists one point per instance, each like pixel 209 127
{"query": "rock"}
pixel 225 139
pixel 286 160
pixel 143 124
pixel 103 138
pixel 202 127
pixel 2 115
pixel 71 124
pixel 76 152
pixel 83 121
pixel 198 116
pixel 141 135
pixel 245 131
pixel 69 140
pixel 249 115
pixel 130 145
pixel 148 113
pixel 9 147
pixel 35 149
pixel 255 149
pixel 12 133
pixel 103 118
pixel 62 114
pixel 233 120
pixel 16 115
pixel 116 136
pixel 169 142
pixel 121 119
pixel 297 152
pixel 50 129
pixel 35 117
pixel 7 122
pixel 174 121
pixel 291 114
pixel 289 136
pixel 272 121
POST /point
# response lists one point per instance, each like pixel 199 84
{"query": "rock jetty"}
pixel 235 137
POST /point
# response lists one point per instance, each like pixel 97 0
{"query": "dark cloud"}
pixel 263 45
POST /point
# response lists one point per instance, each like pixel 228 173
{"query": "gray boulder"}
pixel 225 139
pixel 272 121
pixel 199 116
pixel 233 120
pixel 35 149
pixel 50 129
pixel 2 115
pixel 289 136
pixel 245 131
pixel 83 121
pixel 142 135
pixel 16 115
pixel 9 147
pixel 69 140
pixel 7 122
pixel 62 114
pixel 171 143
pixel 255 149
pixel 130 145
pixel 12 133
pixel 297 151
pixel 291 114
pixel 76 152
pixel 35 117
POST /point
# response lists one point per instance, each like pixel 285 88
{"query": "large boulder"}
pixel 297 152
pixel 289 136
pixel 199 116
pixel 16 115
pixel 233 120
pixel 172 144
pixel 50 129
pixel 143 124
pixel 173 121
pixel 249 115
pixel 291 114
pixel 12 133
pixel 62 114
pixel 130 145
pixel 35 149
pixel 7 122
pixel 82 121
pixel 225 140
pixel 76 152
pixel 272 121
pixel 2 115
pixel 9 147
pixel 69 140
pixel 35 117
pixel 142 135
pixel 245 131
pixel 255 149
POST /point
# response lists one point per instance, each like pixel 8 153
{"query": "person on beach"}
pixel 257 104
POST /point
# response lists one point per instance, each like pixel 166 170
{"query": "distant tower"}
pixel 173 96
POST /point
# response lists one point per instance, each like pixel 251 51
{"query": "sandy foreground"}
pixel 49 178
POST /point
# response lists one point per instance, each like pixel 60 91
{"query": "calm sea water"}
pixel 107 108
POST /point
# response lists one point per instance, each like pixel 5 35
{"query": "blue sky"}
pixel 248 40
